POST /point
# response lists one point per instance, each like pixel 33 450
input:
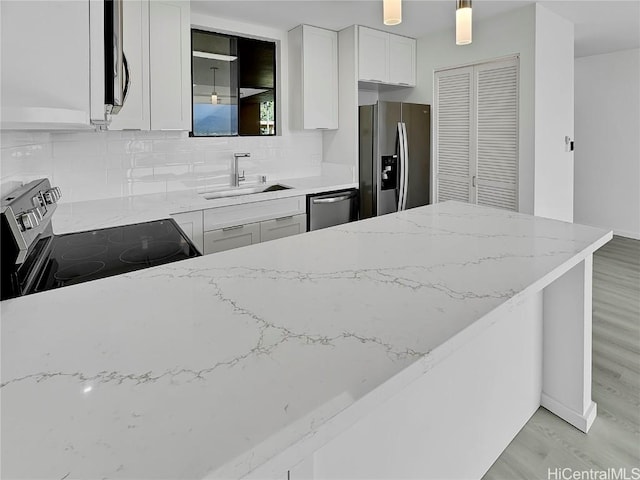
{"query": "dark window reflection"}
pixel 233 85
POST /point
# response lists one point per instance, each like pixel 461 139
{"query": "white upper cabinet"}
pixel 170 64
pixel 373 55
pixel 313 77
pixel 157 49
pixel 45 71
pixel 386 58
pixel 402 60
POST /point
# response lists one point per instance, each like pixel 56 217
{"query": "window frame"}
pixel 276 57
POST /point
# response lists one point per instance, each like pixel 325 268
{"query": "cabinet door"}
pixel 402 60
pixel 134 114
pixel 320 73
pixel 496 118
pixel 170 64
pixel 282 227
pixel 191 225
pixel 231 237
pixel 45 64
pixel 215 218
pixel 373 55
pixel 476 134
pixel 454 142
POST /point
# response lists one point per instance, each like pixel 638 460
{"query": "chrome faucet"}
pixel 236 178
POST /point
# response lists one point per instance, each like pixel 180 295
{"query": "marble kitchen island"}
pixel 411 345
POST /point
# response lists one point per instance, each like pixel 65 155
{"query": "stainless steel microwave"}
pixel 109 71
pixel 116 71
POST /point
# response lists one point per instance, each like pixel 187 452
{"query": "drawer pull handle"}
pixel 235 227
pixel 284 218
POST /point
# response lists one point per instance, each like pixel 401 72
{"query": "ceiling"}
pixel 600 26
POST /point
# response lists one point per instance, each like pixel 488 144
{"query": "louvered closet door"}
pixel 453 134
pixel 496 134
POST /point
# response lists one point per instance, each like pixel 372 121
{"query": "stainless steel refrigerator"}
pixel 395 156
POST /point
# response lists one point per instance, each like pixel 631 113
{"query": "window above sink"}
pixel 234 83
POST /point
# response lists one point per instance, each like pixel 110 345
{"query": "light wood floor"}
pixel 546 442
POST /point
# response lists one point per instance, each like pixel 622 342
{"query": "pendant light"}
pixel 214 95
pixel 392 12
pixel 463 22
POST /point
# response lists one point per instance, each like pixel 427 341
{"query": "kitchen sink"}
pixel 235 192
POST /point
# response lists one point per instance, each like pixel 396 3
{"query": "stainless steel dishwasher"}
pixel 331 208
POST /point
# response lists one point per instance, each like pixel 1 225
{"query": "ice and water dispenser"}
pixel 389 173
pixel 388 195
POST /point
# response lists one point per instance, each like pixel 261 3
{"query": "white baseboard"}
pixel 581 422
pixel 625 233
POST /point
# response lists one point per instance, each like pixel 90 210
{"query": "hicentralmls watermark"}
pixel 592 474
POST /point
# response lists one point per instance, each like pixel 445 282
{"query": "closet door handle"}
pixel 473 181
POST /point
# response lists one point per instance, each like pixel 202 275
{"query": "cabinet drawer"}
pixel 215 218
pixel 231 237
pixel 282 227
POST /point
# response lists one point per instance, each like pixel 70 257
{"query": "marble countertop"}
pixel 95 214
pixel 209 367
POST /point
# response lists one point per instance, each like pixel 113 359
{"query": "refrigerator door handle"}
pixel 405 165
pixel 400 165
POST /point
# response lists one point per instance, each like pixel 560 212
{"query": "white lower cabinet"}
pixel 302 471
pixel 231 237
pixel 282 227
pixel 250 233
pixel 223 228
pixel 191 225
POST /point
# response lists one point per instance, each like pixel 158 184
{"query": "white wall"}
pixel 607 155
pixel 512 33
pixel 95 165
pixel 553 181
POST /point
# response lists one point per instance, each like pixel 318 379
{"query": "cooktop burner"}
pixel 80 257
pixel 78 271
pixel 150 250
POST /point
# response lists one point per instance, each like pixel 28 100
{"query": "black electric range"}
pixel 35 260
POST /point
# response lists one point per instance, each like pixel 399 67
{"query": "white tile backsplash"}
pixel 97 165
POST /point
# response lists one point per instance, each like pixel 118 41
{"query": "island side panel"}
pixel 566 389
pixel 457 418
